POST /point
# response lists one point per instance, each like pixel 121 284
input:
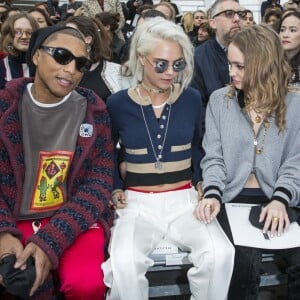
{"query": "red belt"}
pixel 183 187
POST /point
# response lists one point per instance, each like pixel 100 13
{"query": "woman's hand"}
pixel 118 199
pixel 275 217
pixel 207 209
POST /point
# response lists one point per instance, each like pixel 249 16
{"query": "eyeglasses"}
pixel 19 32
pixel 229 13
pixel 63 57
pixel 162 65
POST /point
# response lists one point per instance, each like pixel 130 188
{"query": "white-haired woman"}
pixel 159 125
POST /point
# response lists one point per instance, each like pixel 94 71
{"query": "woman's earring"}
pixel 88 48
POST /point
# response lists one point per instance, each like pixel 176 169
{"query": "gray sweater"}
pixel 230 152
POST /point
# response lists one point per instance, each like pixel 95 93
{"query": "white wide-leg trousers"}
pixel 151 217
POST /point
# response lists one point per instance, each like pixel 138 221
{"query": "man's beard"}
pixel 229 35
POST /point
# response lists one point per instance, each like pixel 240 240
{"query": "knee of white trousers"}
pixel 202 263
pixel 128 259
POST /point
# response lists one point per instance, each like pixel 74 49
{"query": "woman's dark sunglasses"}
pixel 161 66
pixel 63 57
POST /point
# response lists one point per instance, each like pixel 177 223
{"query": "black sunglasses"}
pixel 162 65
pixel 63 57
pixel 229 13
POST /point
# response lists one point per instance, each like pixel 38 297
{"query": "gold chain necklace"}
pixel 259 150
pixel 257 118
pixel 266 124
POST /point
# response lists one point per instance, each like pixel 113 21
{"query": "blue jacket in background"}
pixel 211 68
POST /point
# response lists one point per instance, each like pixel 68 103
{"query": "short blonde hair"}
pixel 142 44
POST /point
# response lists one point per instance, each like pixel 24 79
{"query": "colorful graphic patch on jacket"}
pixel 52 172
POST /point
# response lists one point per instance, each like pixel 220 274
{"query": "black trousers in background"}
pixel 247 264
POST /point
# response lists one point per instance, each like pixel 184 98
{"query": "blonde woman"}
pixel 199 17
pixel 187 21
pixel 158 123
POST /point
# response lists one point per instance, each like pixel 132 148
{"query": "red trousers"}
pixel 79 270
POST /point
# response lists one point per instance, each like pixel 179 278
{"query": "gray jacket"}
pixel 230 152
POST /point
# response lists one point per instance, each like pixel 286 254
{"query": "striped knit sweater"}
pixel 88 186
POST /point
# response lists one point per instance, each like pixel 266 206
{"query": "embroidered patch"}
pixel 86 130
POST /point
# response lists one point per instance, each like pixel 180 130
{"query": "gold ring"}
pixel 275 219
pixel 207 206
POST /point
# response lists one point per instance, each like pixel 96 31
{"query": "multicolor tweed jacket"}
pixel 88 186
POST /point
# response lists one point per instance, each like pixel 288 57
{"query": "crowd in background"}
pixel 116 22
pixel 204 61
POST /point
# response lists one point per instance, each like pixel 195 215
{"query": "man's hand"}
pixel 207 209
pixel 42 264
pixel 9 244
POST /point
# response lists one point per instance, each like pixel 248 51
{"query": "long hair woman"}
pixel 251 144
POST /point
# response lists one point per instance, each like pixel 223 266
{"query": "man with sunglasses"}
pixel 56 167
pixel 211 64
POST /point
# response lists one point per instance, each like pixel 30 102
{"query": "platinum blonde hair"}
pixel 142 44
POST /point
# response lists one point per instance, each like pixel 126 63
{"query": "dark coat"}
pixel 211 68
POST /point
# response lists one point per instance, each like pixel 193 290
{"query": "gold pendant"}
pixel 258 151
pixel 257 119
